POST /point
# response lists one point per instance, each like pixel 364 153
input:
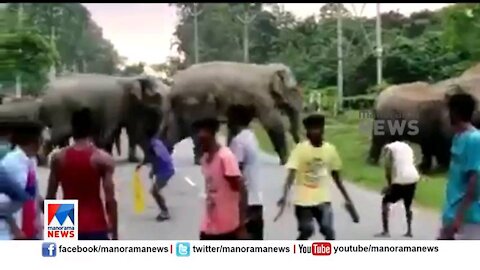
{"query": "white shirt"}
pixel 16 164
pixel 404 170
pixel 245 148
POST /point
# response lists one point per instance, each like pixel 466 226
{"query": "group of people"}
pixel 461 210
pixel 234 203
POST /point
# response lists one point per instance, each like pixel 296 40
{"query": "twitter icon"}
pixel 182 249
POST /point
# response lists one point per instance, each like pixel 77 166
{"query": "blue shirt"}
pixel 162 163
pixel 465 157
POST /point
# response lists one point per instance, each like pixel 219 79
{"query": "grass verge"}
pixel 353 148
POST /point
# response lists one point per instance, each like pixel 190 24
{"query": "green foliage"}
pixel 425 46
pixel 59 34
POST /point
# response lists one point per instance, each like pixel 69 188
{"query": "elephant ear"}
pixel 283 83
pixel 143 88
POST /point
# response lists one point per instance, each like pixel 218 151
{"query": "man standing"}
pixel 12 194
pixel 245 147
pixel 402 177
pixel 162 164
pixel 20 165
pixel 311 165
pixel 81 170
pixel 224 217
pixel 461 212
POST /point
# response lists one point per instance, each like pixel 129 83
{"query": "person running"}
pixel 12 195
pixel 461 212
pixel 402 177
pixel 82 170
pixel 311 165
pixel 245 148
pixel 20 165
pixel 162 165
pixel 224 217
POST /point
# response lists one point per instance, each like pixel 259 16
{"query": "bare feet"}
pixel 382 234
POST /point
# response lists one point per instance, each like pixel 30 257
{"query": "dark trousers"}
pixel 103 235
pixel 322 213
pixel 254 225
pixel 223 236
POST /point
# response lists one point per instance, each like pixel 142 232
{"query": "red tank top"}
pixel 81 181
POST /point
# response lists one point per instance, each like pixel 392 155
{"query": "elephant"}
pixel 208 89
pixel 136 131
pixel 114 101
pixel 420 108
pixel 25 109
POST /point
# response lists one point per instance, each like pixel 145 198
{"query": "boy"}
pixel 224 217
pixel 10 188
pixel 402 177
pixel 20 165
pixel 245 147
pixel 310 166
pixel 85 172
pixel 461 213
pixel 162 165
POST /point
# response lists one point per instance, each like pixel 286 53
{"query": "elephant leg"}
pixel 232 132
pixel 42 157
pixel 197 151
pixel 272 122
pixel 427 155
pixel 376 149
pixel 118 142
pixel 132 142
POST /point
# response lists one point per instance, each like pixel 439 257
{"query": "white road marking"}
pixel 190 181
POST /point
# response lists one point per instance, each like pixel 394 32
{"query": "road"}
pixel 184 195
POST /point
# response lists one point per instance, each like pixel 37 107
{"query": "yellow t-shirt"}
pixel 313 166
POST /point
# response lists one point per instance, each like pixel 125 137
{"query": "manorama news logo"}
pixel 61 220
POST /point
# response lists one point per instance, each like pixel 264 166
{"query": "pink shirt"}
pixel 222 213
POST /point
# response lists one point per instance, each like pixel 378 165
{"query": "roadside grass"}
pixel 353 147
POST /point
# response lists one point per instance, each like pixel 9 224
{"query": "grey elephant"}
pixel 136 131
pixel 114 101
pixel 415 112
pixel 25 109
pixel 208 89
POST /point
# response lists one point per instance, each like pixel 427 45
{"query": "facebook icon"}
pixel 49 249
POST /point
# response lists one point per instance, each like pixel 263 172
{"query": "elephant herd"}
pixel 202 90
pixel 426 104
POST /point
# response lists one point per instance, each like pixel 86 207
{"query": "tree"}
pixel 23 51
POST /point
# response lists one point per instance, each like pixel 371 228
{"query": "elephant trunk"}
pixel 294 118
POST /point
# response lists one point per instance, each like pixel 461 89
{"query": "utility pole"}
pixel 195 15
pixel 18 76
pixel 340 58
pixel 52 73
pixel 246 21
pixel 379 46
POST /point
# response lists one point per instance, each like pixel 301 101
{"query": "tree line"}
pixel 36 37
pixel 426 46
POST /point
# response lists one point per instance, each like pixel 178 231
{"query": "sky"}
pixel 143 32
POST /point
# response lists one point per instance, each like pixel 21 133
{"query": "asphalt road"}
pixel 184 195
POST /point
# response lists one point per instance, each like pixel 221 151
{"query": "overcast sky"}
pixel 143 32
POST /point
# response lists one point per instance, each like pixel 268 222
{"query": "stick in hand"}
pixel 352 211
pixel 281 204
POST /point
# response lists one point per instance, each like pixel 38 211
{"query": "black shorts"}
pixel 223 236
pixel 400 192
